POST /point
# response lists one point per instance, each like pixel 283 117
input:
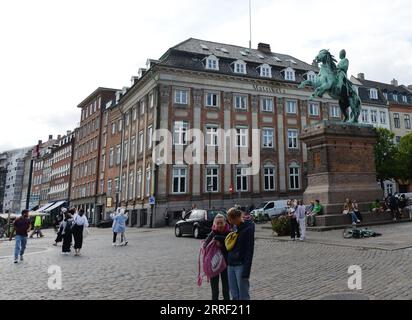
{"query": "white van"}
pixel 271 209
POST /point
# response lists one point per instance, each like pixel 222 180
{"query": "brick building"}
pixel 87 154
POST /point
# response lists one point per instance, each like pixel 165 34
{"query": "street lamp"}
pixel 209 188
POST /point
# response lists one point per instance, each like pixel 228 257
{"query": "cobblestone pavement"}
pixel 156 265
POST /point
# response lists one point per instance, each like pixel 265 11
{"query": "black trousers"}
pixel 59 237
pixel 115 237
pixel 294 229
pixel 67 242
pixel 78 236
pixel 214 283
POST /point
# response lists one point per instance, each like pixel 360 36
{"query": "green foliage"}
pixel 386 155
pixel 404 158
pixel 281 225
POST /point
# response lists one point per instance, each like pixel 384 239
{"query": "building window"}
pixel 383 117
pixel 312 76
pixel 265 71
pixel 268 138
pixel 241 102
pixel 397 120
pixel 211 136
pixel 314 109
pixel 293 139
pixel 242 137
pixel 242 180
pixel 131 184
pixel 149 137
pixel 212 99
pixel 334 112
pixel 212 179
pixel 103 162
pixel 269 178
pixel 148 182
pixel 373 94
pixel 134 114
pixel 365 116
pixel 179 180
pixel 117 184
pixel 109 187
pixel 407 121
pixel 398 139
pixel 180 132
pixel 405 99
pixel 395 97
pixel 133 148
pixel 385 94
pixel 374 116
pixel 389 189
pixel 290 74
pixel 118 154
pixel 113 128
pixel 240 67
pixel 294 179
pixel 126 151
pixel 127 120
pixel 267 104
pixel 139 184
pixel 151 100
pixel 181 96
pixel 141 141
pixel 291 107
pixel 212 63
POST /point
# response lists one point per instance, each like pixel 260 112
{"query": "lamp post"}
pixel 209 188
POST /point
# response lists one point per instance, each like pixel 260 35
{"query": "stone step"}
pixel 342 219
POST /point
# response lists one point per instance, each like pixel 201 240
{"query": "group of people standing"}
pixel 237 253
pixel 73 226
pixel 297 212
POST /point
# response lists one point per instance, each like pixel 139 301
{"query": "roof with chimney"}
pixel 391 90
pixel 191 53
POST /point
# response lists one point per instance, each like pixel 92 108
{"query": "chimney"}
pixel 361 76
pixel 50 137
pixel 134 80
pixel 40 142
pixel 394 82
pixel 59 137
pixel 410 87
pixel 68 132
pixel 264 47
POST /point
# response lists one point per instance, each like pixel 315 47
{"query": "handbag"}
pixel 230 240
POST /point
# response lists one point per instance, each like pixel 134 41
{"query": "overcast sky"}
pixel 53 54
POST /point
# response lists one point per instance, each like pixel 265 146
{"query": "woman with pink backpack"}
pixel 215 257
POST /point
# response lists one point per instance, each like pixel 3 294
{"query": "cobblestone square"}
pixel 157 265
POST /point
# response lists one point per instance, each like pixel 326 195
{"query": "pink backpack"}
pixel 213 261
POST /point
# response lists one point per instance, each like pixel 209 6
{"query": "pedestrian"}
pixel 21 228
pixel 294 224
pixel 220 230
pixel 37 227
pixel 393 206
pixel 183 213
pixel 357 211
pixel 300 215
pixel 240 256
pixel 349 210
pixel 67 231
pixel 119 226
pixel 80 223
pixel 314 211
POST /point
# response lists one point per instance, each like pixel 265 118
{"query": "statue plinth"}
pixel 341 164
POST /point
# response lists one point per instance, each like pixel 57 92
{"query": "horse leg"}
pixel 305 83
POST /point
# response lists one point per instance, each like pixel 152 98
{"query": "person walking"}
pixel 59 231
pixel 220 230
pixel 79 224
pixel 119 226
pixel 294 224
pixel 393 206
pixel 21 229
pixel 67 231
pixel 240 256
pixel 300 215
pixel 37 227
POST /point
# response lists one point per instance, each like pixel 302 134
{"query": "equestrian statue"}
pixel 333 79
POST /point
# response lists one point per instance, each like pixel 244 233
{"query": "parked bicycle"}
pixel 359 233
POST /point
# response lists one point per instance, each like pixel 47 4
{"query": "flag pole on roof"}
pixel 250 24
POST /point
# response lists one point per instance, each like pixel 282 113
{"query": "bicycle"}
pixel 356 233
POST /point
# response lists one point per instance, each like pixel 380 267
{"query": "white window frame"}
pixel 365 115
pixel 395 97
pixel 295 176
pixel 311 76
pixel 265 71
pixel 240 102
pixel 211 96
pixel 373 94
pixel 290 74
pixel 150 137
pixel 212 135
pixel 267 104
pixel 148 182
pixel 181 96
pixel 212 63
pixel 242 137
pixel 212 174
pixel 397 120
pixel 293 136
pixel 289 103
pixel 139 184
pixel 180 131
pixel 239 67
pixel 407 121
pixel 266 136
pixel 314 106
pixel 244 179
pixel 334 112
pixel 141 142
pixel 269 175
pixel 374 116
pixel 179 176
pixel 383 117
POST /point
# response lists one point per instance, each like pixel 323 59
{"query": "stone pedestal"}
pixel 341 165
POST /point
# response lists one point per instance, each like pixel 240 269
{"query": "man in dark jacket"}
pixel 393 206
pixel 241 256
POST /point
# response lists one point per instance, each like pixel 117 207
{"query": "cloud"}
pixel 55 53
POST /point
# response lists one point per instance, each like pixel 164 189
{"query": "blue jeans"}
pixel 20 246
pixel 239 287
pixel 354 217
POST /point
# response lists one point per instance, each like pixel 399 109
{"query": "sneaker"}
pixel 126 243
pixel 122 244
pixel 358 221
pixel 114 244
pixel 16 261
pixel 354 223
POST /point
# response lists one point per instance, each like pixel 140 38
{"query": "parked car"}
pixel 197 223
pixel 270 209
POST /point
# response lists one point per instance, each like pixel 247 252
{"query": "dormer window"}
pixel 373 94
pixel 290 74
pixel 405 99
pixel 240 67
pixel 385 94
pixel 311 76
pixel 265 71
pixel 212 63
pixel 395 97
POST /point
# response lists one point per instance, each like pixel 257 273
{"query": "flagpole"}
pixel 250 24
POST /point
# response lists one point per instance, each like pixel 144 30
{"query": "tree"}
pixel 404 158
pixel 386 156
